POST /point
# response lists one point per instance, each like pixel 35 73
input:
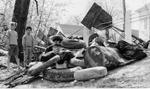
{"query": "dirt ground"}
pixel 136 75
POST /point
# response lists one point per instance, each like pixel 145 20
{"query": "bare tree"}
pixel 50 12
pixel 6 10
pixel 41 15
pixel 20 16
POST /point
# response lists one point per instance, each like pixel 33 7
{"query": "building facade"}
pixel 144 22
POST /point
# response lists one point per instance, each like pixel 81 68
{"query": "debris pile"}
pixel 67 59
pixel 61 64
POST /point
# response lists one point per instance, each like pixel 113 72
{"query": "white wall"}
pixel 144 26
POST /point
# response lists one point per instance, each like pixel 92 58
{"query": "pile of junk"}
pixel 67 59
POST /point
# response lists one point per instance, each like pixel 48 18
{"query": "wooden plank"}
pixel 97 17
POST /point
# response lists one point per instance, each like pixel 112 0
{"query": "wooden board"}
pixel 97 17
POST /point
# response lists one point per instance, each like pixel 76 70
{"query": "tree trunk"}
pixel 20 16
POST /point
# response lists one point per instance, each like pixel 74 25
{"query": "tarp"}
pixel 97 17
pixel 102 56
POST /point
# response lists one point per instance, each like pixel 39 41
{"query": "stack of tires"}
pixel 77 73
pixel 91 71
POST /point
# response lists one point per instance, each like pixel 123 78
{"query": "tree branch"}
pixel 38 26
pixel 37 9
pixel 50 11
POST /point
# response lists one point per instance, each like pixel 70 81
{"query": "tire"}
pixel 73 44
pixel 60 75
pixel 90 73
pixel 77 62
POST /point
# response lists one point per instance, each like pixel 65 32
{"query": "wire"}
pixel 118 32
pixel 118 29
pixel 119 21
pixel 136 19
pixel 140 16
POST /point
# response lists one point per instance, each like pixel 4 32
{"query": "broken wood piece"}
pixel 22 80
pixel 40 47
pixel 45 65
pixel 11 79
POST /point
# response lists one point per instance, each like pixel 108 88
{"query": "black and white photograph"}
pixel 74 44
